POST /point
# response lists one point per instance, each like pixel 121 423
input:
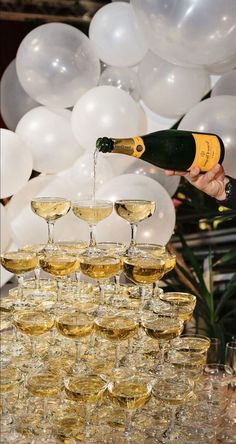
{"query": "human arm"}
pixel 214 183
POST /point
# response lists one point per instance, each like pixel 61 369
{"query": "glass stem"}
pixel 20 291
pixel 50 231
pixel 37 278
pixel 33 346
pixel 45 411
pixel 128 422
pixel 77 352
pixel 134 228
pixel 59 290
pixel 117 356
pixel 92 239
pixel 142 293
pixel 117 283
pixel 102 293
pixel 162 353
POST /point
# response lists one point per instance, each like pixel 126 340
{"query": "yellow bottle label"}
pixel 208 151
pixel 138 147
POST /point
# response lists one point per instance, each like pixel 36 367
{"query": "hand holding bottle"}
pixel 212 182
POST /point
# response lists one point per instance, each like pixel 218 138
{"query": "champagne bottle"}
pixel 170 149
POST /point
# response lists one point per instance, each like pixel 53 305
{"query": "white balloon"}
pixel 14 100
pixel 226 85
pixel 123 78
pixel 216 115
pixel 81 175
pixel 116 35
pixel 27 227
pixel 156 229
pixel 106 111
pixel 223 66
pixel 16 163
pixel 49 136
pixel 189 32
pixel 5 229
pixel 56 63
pixel 170 90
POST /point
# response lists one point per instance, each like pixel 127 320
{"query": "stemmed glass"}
pixel 113 249
pixel 143 271
pixel 92 212
pixel 59 264
pixel 19 263
pixel 182 303
pixel 116 327
pixel 230 355
pixel 50 209
pixel 75 326
pixel 10 379
pixel 100 268
pixel 131 392
pixel 134 211
pixel 38 250
pixel 86 389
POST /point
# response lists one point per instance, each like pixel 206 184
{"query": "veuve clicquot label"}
pixel 208 151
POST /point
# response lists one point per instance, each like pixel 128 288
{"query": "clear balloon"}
pixel 81 175
pixel 56 64
pixel 226 85
pixel 14 100
pixel 157 229
pixel 5 229
pixel 123 78
pixel 106 111
pixel 189 32
pixel 21 217
pixel 115 32
pixel 216 115
pixel 170 90
pixel 16 163
pixel 49 136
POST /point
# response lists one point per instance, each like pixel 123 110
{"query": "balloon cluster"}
pixel 145 64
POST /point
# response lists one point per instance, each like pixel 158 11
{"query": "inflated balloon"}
pixel 27 227
pixel 223 66
pixel 106 111
pixel 226 85
pixel 56 64
pixel 14 100
pixel 16 163
pixel 189 32
pixel 49 136
pixel 123 78
pixel 81 175
pixel 5 229
pixel 116 35
pixel 158 228
pixel 170 90
pixel 216 115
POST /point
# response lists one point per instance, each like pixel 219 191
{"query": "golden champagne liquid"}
pixel 102 267
pixel 92 212
pixel 88 388
pixel 144 270
pixel 10 378
pixel 50 208
pixel 154 250
pixel 135 211
pixel 187 361
pixel 192 344
pixel 75 325
pixel 34 248
pixel 116 328
pixel 172 392
pixel 71 247
pixel 32 323
pixel 19 262
pixel 59 264
pixel 170 262
pixel 43 385
pixel 181 300
pixel 130 394
pixel 163 329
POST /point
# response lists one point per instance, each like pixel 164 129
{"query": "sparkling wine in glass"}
pixel 10 380
pixel 134 211
pixel 50 209
pixel 182 303
pixel 92 212
pixel 19 263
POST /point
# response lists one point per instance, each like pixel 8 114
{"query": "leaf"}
pixel 228 257
pixel 229 292
pixel 228 315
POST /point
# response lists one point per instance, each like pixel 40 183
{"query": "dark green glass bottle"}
pixel 170 149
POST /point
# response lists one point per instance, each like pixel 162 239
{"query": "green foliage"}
pixel 214 308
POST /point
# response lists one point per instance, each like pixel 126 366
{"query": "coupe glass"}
pixel 19 263
pixel 134 211
pixel 114 249
pixel 50 209
pixel 86 389
pixel 10 379
pixel 92 212
pixel 75 326
pixel 130 392
pixel 182 303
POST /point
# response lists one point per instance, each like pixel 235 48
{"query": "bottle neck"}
pixel 132 147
